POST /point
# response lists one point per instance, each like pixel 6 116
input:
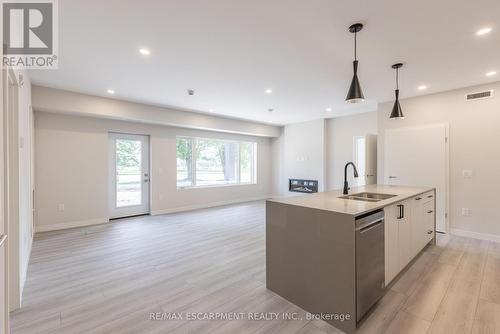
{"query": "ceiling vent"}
pixel 479 96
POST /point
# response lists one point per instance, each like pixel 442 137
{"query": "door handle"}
pixel 430 211
pixel 2 239
pixel 400 206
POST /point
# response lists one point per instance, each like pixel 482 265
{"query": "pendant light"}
pixel 397 113
pixel 355 93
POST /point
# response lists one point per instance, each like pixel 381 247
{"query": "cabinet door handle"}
pixel 430 196
pixel 430 211
pixel 418 198
pixel 403 210
pixel 429 232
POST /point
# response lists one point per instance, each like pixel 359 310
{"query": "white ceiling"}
pixel 231 51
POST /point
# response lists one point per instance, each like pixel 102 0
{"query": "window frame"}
pixel 194 140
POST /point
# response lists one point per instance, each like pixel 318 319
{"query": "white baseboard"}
pixel 207 205
pixel 475 235
pixel 81 223
pixel 73 224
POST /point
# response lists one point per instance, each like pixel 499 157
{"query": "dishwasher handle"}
pixel 368 226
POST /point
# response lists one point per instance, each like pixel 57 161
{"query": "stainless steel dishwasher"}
pixel 370 261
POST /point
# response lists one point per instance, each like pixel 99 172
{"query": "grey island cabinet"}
pixel 335 256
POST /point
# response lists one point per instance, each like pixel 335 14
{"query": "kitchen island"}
pixel 335 255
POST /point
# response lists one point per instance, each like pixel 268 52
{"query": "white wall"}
pixel 300 152
pixel 339 144
pixel 72 169
pixel 474 145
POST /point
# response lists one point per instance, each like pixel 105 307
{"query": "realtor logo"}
pixel 29 34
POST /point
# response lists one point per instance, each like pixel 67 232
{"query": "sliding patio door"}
pixel 128 175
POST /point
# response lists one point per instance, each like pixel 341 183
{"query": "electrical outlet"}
pixel 467 174
pixel 61 207
pixel 466 212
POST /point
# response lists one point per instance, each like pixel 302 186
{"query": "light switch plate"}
pixel 465 212
pixel 467 174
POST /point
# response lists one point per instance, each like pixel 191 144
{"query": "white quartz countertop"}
pixel 330 200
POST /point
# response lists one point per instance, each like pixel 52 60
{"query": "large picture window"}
pixel 211 162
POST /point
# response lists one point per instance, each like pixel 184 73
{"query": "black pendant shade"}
pixel 397 113
pixel 355 93
pixel 396 109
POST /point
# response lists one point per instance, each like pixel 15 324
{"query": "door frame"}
pixel 446 126
pixel 133 211
pixel 4 99
pixel 11 189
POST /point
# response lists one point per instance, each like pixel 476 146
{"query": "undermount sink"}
pixel 368 197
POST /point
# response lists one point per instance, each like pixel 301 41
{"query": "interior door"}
pixel 365 159
pixel 418 157
pixel 371 159
pixel 128 175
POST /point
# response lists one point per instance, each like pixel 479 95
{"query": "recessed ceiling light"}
pixel 270 121
pixel 144 51
pixel 484 31
pixel 490 74
pixel 422 87
pixel 269 91
pixel 210 110
pixel 110 91
pixel 329 109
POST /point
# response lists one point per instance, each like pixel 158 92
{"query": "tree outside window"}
pixel 215 162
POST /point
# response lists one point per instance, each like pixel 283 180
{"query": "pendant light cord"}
pixel 355 46
pixel 397 78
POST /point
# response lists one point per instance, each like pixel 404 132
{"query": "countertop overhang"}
pixel 330 201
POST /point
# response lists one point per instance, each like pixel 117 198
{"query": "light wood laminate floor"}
pixel 109 278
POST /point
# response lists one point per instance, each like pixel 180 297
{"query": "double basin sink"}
pixel 367 197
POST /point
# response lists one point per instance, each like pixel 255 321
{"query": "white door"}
pixel 365 159
pixel 128 175
pixel 418 157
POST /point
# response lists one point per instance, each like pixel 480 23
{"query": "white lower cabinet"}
pixel 409 226
pixel 391 242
